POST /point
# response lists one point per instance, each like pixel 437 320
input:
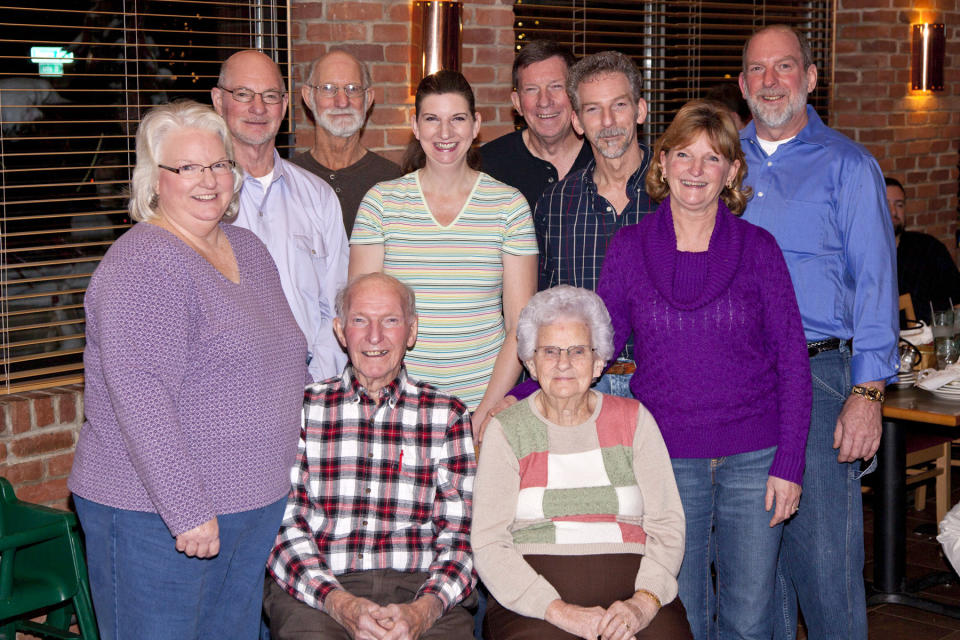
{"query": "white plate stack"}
pixel 949 391
pixel 905 379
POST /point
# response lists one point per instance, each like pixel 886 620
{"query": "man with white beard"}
pixel 339 95
pixel 821 195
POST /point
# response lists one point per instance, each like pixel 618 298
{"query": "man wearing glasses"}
pixel 293 212
pixel 339 95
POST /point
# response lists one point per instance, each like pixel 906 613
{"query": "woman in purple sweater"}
pixel 721 364
pixel 195 369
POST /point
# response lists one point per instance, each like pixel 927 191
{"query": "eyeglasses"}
pixel 242 94
pixel 194 171
pixel 330 90
pixel 575 353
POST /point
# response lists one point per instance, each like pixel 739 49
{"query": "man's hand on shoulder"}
pixel 409 621
pixel 858 430
pixel 356 615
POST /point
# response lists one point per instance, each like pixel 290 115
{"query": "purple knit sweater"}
pixel 721 358
pixel 194 384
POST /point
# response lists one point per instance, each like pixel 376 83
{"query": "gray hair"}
pixel 805 49
pixel 364 67
pixel 565 303
pixel 407 297
pixel 155 126
pixel 598 64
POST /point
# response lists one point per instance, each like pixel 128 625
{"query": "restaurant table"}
pixel 902 408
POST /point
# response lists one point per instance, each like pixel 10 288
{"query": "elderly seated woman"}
pixel 577 527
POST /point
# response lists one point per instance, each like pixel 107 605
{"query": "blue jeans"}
pixel 723 500
pixel 143 588
pixel 821 561
pixel 614 384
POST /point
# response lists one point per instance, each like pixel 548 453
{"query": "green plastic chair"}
pixel 41 571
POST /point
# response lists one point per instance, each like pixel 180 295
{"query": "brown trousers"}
pixel 291 619
pixel 587 581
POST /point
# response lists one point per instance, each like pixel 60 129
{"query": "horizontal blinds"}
pixel 683 48
pixel 68 116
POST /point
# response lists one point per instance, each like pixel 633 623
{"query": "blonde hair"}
pixel 694 118
pixel 155 126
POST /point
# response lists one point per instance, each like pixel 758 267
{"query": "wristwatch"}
pixel 870 393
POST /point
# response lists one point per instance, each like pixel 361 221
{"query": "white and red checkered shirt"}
pixel 379 483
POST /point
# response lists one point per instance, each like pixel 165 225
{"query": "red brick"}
pixel 45 492
pixel 18 412
pixel 306 11
pixel 398 137
pixel 31 471
pixel 500 17
pixel 3 451
pixel 479 75
pixel 60 465
pixel 389 72
pixel 389 115
pixel 400 12
pixel 43 411
pixel 391 33
pixel 369 53
pixel 366 11
pixel 396 95
pixel 372 138
pixel 67 408
pixel 397 53
pixel 479 36
pixel 45 443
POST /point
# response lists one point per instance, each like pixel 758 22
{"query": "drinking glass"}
pixel 944 344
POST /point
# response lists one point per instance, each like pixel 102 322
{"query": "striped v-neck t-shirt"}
pixel 456 271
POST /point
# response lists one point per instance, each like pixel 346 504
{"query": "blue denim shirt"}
pixel 822 196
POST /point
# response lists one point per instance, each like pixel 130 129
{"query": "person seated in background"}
pixel 730 96
pixel 374 540
pixel 925 268
pixel 578 527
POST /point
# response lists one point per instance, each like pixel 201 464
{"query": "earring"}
pixel 154 200
pixel 663 177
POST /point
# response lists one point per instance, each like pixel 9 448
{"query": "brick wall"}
pixel 38 432
pixel 379 33
pixel 913 135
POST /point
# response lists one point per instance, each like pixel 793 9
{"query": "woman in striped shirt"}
pixel 463 241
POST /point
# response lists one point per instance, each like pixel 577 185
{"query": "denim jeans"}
pixel 821 561
pixel 723 500
pixel 143 588
pixel 614 384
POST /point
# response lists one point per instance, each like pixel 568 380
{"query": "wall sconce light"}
pixel 437 31
pixel 928 56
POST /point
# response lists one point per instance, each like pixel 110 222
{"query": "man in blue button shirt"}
pixel 822 196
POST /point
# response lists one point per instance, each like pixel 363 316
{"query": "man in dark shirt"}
pixel 548 148
pixel 576 217
pixel 339 94
pixel 925 268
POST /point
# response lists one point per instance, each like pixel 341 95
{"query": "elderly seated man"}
pixel 375 538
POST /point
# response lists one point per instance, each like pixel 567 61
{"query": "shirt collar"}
pixel 391 392
pixel 636 179
pixel 278 169
pixel 814 132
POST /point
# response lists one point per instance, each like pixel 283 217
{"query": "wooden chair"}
pixel 929 457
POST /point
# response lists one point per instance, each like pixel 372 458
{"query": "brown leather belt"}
pixel 622 368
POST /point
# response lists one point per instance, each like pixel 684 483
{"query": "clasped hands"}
pixel 366 620
pixel 620 621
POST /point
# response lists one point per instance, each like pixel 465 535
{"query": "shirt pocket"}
pixel 802 228
pixel 311 263
pixel 416 487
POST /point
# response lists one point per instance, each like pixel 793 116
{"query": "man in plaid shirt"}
pixel 375 538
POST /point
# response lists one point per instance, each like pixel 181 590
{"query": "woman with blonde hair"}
pixel 195 369
pixel 722 365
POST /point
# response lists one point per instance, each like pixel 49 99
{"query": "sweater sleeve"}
pixel 784 340
pixel 144 319
pixel 663 519
pixel 512 581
